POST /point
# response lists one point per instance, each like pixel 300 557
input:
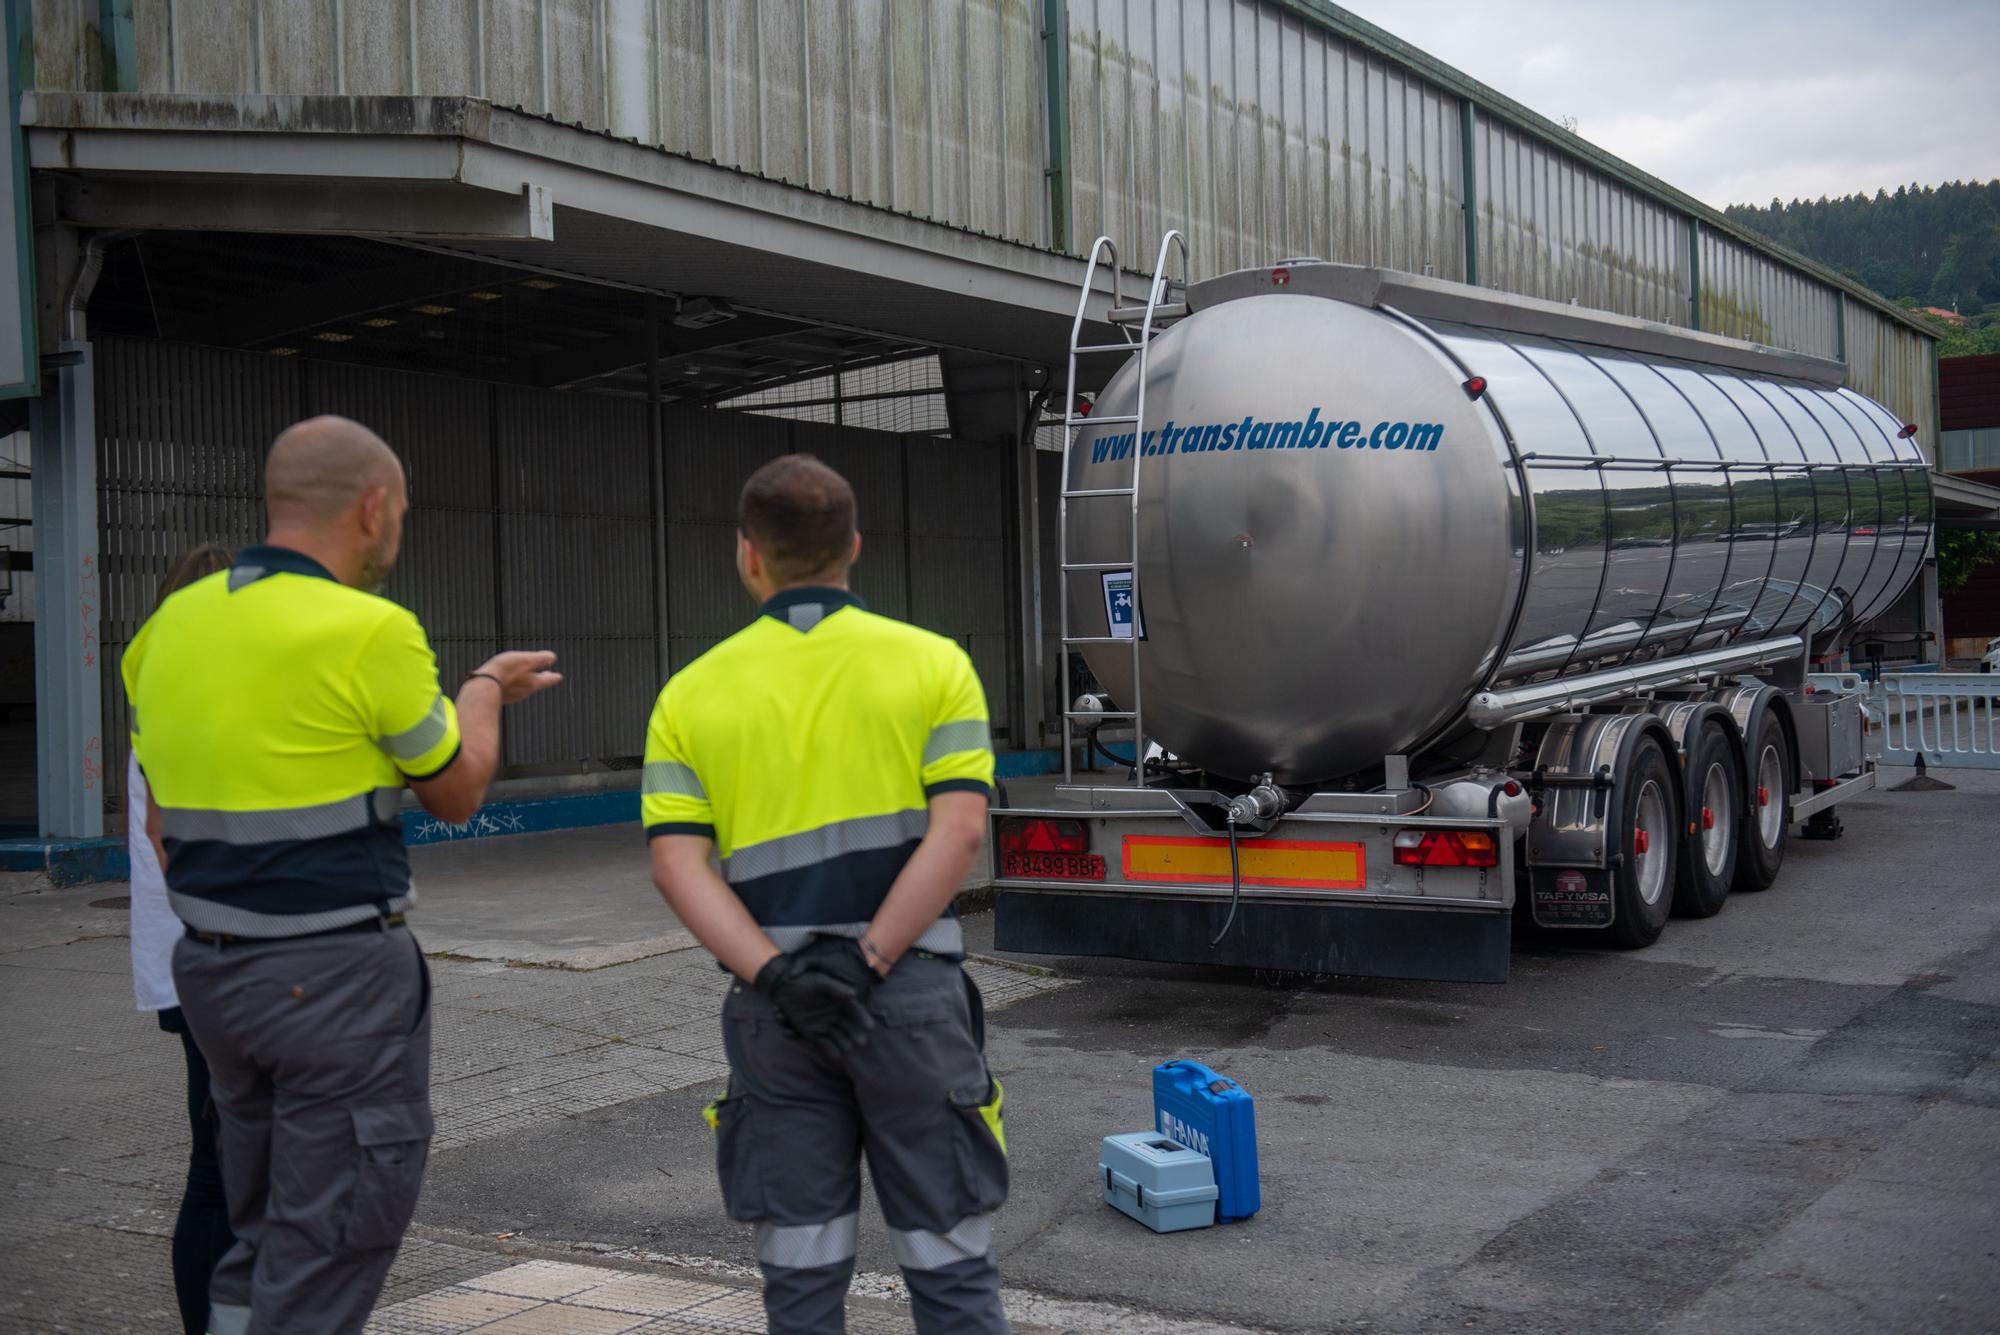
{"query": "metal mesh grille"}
pixel 902 396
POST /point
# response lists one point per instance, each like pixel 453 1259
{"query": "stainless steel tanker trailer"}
pixel 1425 606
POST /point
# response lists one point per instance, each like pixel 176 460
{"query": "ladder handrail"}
pixel 1102 247
pixel 1159 289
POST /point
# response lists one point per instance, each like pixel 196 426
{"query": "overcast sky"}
pixel 1738 102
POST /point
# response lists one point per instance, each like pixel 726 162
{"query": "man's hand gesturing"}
pixel 520 672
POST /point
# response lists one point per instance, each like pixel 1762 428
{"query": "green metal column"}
pixel 1470 172
pixel 1055 65
pixel 118 35
pixel 20 347
pixel 1694 273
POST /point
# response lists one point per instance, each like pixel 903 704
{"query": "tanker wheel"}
pixel 1761 851
pixel 1647 836
pixel 1709 853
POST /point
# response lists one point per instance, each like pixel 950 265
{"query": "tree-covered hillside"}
pixel 1919 246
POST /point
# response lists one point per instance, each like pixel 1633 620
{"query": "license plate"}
pixel 1053 866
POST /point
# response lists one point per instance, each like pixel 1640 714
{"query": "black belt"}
pixel 376 924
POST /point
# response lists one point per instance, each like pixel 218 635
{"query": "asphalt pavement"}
pixel 1782 1119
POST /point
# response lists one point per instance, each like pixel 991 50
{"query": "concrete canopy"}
pixel 1963 503
pixel 461 174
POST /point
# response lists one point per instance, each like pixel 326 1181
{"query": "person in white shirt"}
pixel 201 1230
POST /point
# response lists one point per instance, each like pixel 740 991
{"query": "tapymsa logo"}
pixel 1256 433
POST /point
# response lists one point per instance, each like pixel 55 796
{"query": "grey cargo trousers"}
pixel 793 1127
pixel 319 1054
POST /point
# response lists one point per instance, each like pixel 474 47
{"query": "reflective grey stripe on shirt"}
pixel 948 739
pixel 793 851
pixel 207 915
pixel 414 741
pixel 672 778
pixel 808 1246
pixel 263 827
pixel 943 937
pixel 920 1249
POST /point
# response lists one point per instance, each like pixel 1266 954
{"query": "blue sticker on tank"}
pixel 1256 433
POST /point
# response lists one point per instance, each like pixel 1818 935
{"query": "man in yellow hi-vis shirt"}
pixel 838 762
pixel 278 708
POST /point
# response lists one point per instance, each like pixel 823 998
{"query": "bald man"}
pixel 278 709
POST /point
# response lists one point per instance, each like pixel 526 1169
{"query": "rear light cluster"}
pixel 1446 848
pixel 1042 834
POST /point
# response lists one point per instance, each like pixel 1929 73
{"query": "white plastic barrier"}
pixel 1951 719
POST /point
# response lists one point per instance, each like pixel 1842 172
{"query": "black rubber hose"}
pixel 1235 886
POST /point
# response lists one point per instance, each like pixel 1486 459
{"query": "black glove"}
pixel 816 1003
pixel 842 957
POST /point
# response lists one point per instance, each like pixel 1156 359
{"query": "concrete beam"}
pixel 646 218
pixel 353 208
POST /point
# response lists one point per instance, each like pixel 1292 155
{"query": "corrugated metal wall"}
pixel 934 108
pixel 1893 364
pixel 574 565
pixel 1746 294
pixel 181 438
pixel 932 518
pixel 530 524
pixel 1552 227
pixel 1258 131
pixel 1259 134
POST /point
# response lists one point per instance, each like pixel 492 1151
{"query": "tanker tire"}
pixel 1760 853
pixel 1649 798
pixel 1711 850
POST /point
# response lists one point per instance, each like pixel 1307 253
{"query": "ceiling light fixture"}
pixel 701 312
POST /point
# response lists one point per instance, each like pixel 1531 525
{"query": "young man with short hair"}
pixel 838 763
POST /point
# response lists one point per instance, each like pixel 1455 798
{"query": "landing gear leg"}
pixel 1822 825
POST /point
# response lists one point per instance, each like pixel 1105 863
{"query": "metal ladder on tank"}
pixel 1157 311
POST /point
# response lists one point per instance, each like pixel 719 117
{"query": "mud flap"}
pixel 1572 897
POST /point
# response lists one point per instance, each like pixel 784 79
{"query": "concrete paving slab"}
pixel 579 899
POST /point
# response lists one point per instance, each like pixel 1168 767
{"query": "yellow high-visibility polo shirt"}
pixel 277 714
pixel 808 745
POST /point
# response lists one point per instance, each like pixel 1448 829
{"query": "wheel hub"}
pixel 1650 841
pixel 1718 819
pixel 1770 784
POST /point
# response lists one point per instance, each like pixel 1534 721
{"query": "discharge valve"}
pixel 1261 803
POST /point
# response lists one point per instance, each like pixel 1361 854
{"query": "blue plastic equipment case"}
pixel 1164 1185
pixel 1212 1115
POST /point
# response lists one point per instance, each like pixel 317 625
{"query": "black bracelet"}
pixel 490 677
